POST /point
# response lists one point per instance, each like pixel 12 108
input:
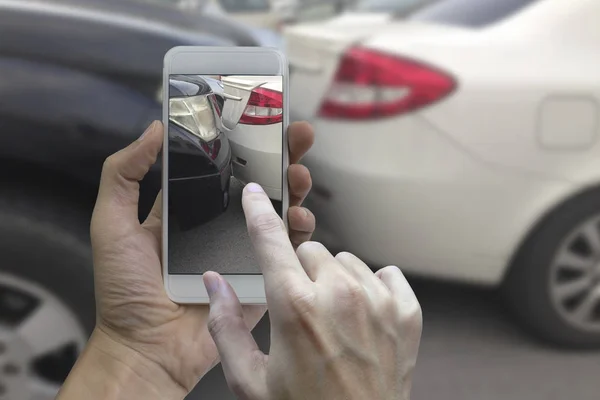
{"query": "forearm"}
pixel 109 370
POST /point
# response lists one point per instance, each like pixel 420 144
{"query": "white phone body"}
pixel 190 289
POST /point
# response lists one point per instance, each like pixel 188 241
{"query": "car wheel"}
pixel 46 296
pixel 554 283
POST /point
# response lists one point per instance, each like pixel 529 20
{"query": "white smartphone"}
pixel 225 112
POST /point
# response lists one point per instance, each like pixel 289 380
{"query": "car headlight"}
pixel 194 114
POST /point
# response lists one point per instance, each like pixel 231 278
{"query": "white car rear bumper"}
pixel 256 156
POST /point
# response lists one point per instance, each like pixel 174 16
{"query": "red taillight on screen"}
pixel 212 149
pixel 369 84
pixel 265 107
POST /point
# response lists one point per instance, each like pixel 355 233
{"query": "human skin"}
pixel 145 346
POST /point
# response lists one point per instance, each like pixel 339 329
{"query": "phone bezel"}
pixel 189 289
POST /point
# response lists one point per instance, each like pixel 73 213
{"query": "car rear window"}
pixel 470 13
pixel 240 6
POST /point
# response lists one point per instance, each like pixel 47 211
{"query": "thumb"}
pixel 243 362
pixel 118 194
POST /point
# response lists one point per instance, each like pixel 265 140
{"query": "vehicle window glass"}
pixel 394 6
pixel 470 13
pixel 239 6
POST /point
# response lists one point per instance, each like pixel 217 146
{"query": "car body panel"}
pixel 257 149
pixel 192 21
pixel 198 184
pixel 122 45
pixel 424 210
pixel 68 100
pixel 256 156
pixel 49 119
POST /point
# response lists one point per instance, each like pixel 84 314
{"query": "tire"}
pixel 44 242
pixel 528 288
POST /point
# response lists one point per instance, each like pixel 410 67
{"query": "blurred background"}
pixel 457 139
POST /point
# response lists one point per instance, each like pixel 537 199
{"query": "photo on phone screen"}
pixel 223 132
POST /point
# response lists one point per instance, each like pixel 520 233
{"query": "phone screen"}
pixel 223 132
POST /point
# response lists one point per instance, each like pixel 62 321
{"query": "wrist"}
pixel 111 370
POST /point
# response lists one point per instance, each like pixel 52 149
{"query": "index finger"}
pixel 275 253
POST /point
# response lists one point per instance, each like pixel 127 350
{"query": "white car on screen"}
pixel 256 139
pixel 463 142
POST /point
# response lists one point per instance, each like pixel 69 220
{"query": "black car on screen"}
pixel 199 152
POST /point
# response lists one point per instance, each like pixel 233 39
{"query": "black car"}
pixel 77 83
pixel 199 152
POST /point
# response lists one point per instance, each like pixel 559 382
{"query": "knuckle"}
pixel 344 255
pixel 110 164
pixel 307 247
pixel 386 307
pixel 221 322
pixel 265 224
pixel 301 302
pixel 350 292
pixel 411 316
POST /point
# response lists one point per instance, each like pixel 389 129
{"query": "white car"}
pixel 256 140
pixel 464 143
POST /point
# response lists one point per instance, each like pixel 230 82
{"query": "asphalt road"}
pixel 220 245
pixel 470 350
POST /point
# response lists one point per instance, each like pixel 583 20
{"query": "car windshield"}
pixel 470 13
pixel 390 6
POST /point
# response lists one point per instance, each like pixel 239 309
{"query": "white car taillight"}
pixel 369 84
pixel 265 107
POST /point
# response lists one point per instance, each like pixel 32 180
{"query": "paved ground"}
pixel 221 245
pixel 470 349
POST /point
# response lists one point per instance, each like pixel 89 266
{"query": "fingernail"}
pixel 254 188
pixel 305 211
pixel 212 282
pixel 148 129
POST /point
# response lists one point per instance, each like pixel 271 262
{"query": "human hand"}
pixel 133 309
pixel 338 331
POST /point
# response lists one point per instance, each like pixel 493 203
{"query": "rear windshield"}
pixel 240 6
pixel 391 6
pixel 470 13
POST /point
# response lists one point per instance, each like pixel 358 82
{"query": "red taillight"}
pixel 212 149
pixel 369 84
pixel 265 107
